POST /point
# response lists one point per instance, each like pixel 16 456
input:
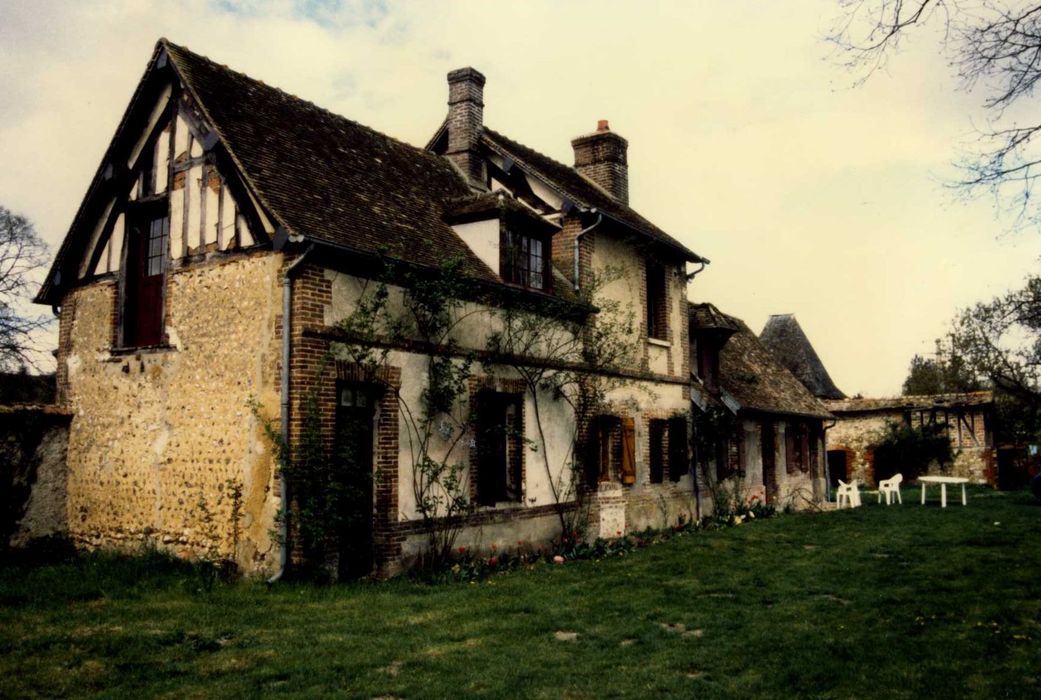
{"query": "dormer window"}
pixel 524 261
pixel 708 364
pixel 510 237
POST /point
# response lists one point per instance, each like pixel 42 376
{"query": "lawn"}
pixel 905 601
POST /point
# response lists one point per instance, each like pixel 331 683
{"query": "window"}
pixel 730 454
pixel 677 447
pixel 796 447
pixel 611 450
pixel 708 363
pixel 500 447
pixel 524 260
pixel 657 308
pixel 659 443
pixel 148 244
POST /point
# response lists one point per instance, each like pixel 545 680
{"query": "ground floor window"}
pixel 500 447
pixel 679 464
pixel 729 455
pixel 610 450
pixel 667 442
pixel 796 447
pixel 658 437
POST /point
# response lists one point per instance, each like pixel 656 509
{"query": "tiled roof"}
pixel 571 185
pixel 706 316
pixel 785 338
pixel 494 204
pixel 912 402
pixel 756 380
pixel 329 178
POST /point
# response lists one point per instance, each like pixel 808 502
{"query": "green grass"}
pixel 905 601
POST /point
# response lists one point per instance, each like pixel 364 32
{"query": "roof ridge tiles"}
pixel 296 98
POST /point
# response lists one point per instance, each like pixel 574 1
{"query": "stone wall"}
pixel 856 433
pixel 162 437
pixel 33 473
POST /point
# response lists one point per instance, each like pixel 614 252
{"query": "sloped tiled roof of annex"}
pixel 783 335
pixel 911 402
pixel 579 190
pixel 752 375
pixel 327 177
pixel 707 316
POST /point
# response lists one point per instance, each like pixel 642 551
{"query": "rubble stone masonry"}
pixel 160 436
pixel 856 433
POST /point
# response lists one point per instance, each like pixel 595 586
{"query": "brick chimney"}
pixel 465 121
pixel 601 157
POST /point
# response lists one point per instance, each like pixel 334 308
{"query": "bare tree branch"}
pixel 22 254
pixel 994 48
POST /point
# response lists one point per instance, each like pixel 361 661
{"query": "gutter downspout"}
pixel 692 275
pixel 599 218
pixel 287 315
pixel 827 470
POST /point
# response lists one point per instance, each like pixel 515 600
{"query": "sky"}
pixel 748 139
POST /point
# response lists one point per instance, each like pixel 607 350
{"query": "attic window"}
pixel 657 303
pixel 707 363
pixel 147 251
pixel 524 260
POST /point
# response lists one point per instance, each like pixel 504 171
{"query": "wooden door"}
pixel 353 448
pixel 837 467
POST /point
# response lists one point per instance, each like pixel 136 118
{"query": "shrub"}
pixel 909 450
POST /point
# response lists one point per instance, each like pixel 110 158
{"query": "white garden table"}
pixel 943 481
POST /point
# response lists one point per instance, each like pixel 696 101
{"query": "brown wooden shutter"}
pixel 804 448
pixel 628 451
pixel 789 448
pixel 815 441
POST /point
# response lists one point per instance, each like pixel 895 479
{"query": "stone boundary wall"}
pixel 33 473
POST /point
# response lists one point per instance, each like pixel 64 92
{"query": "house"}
pixel 759 433
pixel 218 292
pixel 966 419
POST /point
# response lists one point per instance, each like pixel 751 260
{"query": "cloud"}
pixel 745 142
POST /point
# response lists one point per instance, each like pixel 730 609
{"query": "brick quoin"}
pixel 563 249
pixel 66 319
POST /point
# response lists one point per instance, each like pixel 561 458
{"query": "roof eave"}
pixel 583 207
pixel 49 291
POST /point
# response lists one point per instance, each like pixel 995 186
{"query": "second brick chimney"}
pixel 602 157
pixel 465 121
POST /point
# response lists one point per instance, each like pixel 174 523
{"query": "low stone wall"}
pixel 33 473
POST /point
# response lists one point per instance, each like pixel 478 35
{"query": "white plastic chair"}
pixel 891 487
pixel 848 493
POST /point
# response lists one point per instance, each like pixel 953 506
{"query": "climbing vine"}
pixel 579 360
